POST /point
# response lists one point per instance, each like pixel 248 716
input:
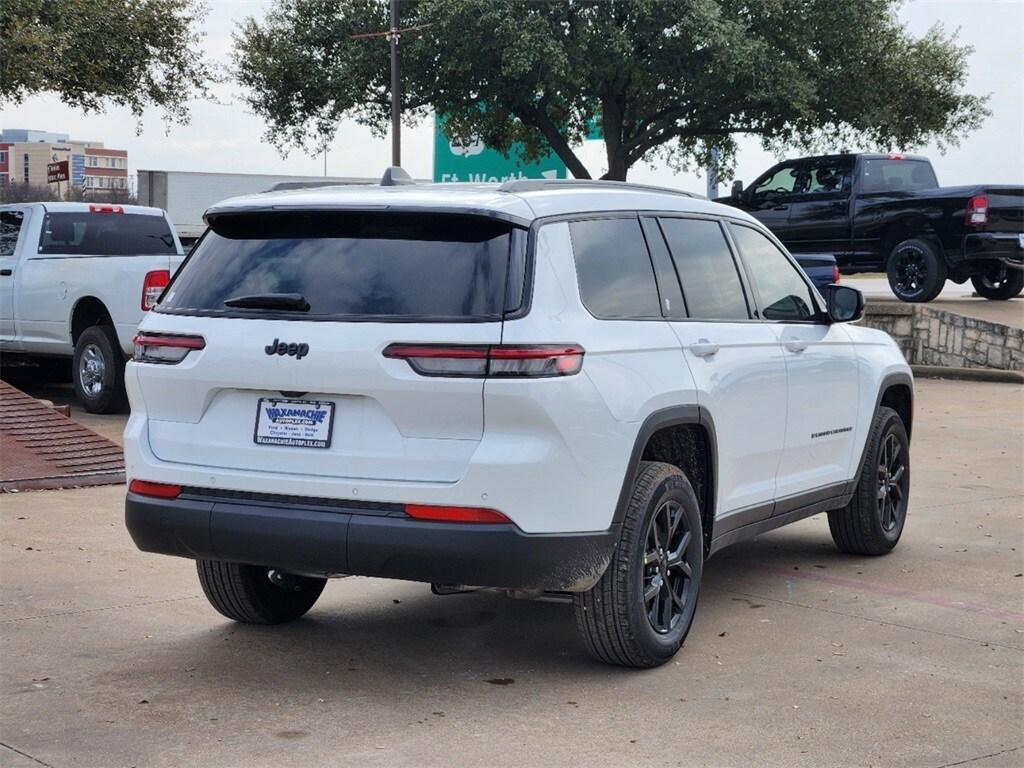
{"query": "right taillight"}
pixel 165 348
pixel 490 361
pixel 977 210
pixel 152 286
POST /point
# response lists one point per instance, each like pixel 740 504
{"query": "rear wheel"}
pixel 98 370
pixel 873 521
pixel 916 271
pixel 639 613
pixel 253 594
pixel 999 283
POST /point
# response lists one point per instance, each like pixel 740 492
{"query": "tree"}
pixel 91 53
pixel 663 79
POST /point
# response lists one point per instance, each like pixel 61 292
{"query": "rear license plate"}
pixel 301 423
pixel 1020 241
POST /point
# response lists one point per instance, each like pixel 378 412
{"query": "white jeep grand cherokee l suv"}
pixel 578 387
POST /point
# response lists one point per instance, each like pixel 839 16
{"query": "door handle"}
pixel 6 272
pixel 781 208
pixel 794 345
pixel 703 348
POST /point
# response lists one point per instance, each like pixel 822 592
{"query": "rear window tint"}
pixel 614 269
pixel 105 234
pixel 376 266
pixel 711 283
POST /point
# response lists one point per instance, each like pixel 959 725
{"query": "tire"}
pixel 98 370
pixel 247 593
pixel 613 617
pixel 999 283
pixel 916 271
pixel 871 523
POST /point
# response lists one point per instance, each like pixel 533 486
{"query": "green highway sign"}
pixel 475 162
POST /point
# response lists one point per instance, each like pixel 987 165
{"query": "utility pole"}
pixel 393 35
pixel 396 89
pixel 712 174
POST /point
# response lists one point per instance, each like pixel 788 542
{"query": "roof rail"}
pixel 534 185
pixel 395 176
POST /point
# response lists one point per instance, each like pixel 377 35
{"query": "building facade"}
pixel 24 155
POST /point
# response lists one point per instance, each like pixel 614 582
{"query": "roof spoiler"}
pixel 395 176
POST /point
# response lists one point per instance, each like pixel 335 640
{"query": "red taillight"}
pixel 835 274
pixel 494 361
pixel 165 348
pixel 156 490
pixel 152 286
pixel 977 210
pixel 894 156
pixel 455 514
pixel 106 209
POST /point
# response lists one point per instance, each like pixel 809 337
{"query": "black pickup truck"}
pixel 877 212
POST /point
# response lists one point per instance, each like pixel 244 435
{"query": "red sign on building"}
pixel 57 172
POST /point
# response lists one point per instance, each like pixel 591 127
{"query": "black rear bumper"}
pixel 374 540
pixel 1004 247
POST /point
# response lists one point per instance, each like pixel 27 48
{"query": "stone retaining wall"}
pixel 930 336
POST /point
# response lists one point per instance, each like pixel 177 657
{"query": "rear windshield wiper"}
pixel 290 301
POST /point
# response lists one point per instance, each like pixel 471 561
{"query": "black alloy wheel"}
pixel 916 270
pixel 668 573
pixel 999 282
pixel 892 484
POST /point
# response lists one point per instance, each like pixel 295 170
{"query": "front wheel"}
pixel 253 594
pixel 873 521
pixel 999 283
pixel 639 613
pixel 916 270
pixel 98 370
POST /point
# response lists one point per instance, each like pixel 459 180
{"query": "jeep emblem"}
pixel 278 347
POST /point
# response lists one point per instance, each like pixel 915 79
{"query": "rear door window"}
pixel 357 266
pixel 885 175
pixel 85 233
pixel 707 270
pixel 10 228
pixel 614 269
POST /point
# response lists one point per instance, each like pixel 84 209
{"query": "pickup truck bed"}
pixel 76 280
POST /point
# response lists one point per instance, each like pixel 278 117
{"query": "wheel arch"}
pixel 905 228
pixel 87 312
pixel 683 436
pixel 896 391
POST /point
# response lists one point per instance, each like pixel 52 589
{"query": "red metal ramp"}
pixel 40 448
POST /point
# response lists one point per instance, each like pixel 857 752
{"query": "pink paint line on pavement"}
pixel 906 594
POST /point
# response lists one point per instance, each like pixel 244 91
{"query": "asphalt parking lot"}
pixel 799 656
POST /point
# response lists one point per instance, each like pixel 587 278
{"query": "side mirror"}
pixel 737 190
pixel 845 304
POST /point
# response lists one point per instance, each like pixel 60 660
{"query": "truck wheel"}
pixel 639 613
pixel 999 283
pixel 256 595
pixel 916 270
pixel 872 522
pixel 98 370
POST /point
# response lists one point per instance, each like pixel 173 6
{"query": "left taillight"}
pixel 835 274
pixel 165 348
pixel 977 210
pixel 503 361
pixel 155 490
pixel 152 286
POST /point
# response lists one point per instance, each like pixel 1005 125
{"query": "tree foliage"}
pixel 92 53
pixel 665 80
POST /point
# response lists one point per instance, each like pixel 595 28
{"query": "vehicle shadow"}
pixel 370 638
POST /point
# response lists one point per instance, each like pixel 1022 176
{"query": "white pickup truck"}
pixel 75 281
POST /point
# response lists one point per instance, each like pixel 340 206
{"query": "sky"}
pixel 225 137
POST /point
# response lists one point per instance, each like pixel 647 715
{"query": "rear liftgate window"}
pixel 354 266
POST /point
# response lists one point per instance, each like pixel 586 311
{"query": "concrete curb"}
pixel 967 374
